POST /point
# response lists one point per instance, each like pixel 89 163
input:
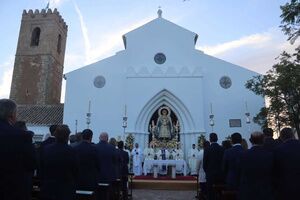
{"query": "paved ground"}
pixel 163 195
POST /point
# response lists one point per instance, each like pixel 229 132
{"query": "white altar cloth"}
pixel 149 163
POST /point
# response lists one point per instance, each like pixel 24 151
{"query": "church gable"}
pixel 159 32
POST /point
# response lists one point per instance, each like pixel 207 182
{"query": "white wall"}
pixel 189 77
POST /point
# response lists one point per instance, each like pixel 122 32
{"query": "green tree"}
pixel 290 23
pixel 261 117
pixel 281 85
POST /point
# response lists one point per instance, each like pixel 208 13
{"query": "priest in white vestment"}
pixel 178 155
pixel 148 155
pixel 137 157
pixel 193 160
pixel 163 154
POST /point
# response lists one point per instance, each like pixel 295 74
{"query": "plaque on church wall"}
pixel 225 82
pixel 99 81
pixel 235 123
pixel 160 58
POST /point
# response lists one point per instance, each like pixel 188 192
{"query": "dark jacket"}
pixel 49 140
pixel 107 157
pixel 17 160
pixel 287 169
pixel 88 166
pixel 231 166
pixel 212 163
pixel 124 163
pixel 270 144
pixel 256 174
pixel 59 168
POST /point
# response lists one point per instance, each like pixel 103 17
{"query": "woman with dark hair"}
pixel 226 144
pixel 244 144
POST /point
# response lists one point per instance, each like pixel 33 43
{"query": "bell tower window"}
pixel 59 44
pixel 35 37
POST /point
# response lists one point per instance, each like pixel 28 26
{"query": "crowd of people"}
pixel 270 169
pixel 61 168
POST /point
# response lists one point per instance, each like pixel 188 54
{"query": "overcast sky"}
pixel 243 32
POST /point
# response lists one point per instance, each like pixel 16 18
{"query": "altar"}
pixel 150 163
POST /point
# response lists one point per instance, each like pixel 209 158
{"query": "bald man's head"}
pixel 103 137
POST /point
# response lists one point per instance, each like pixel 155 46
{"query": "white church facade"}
pixel 160 67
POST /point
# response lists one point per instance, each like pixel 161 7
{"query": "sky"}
pixel 243 32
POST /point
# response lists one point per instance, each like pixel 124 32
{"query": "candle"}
pixel 211 108
pixel 246 106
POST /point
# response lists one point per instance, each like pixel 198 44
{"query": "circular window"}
pixel 225 82
pixel 99 81
pixel 160 58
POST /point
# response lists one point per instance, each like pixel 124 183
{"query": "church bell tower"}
pixel 38 68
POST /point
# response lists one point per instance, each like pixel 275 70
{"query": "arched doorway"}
pixel 164 97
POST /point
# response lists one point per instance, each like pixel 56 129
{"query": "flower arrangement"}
pixel 201 140
pixel 129 141
pixel 228 138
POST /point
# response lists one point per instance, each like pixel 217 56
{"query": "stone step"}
pixel 165 184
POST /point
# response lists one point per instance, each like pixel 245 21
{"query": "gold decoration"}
pixel 169 144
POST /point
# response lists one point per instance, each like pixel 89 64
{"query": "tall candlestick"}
pixel 76 124
pixel 89 106
pixel 125 111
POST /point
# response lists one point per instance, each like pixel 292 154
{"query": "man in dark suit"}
pixel 231 161
pixel 269 143
pixel 22 125
pixel 59 168
pixel 107 160
pixel 212 164
pixel 88 162
pixel 256 171
pixel 287 165
pixel 123 169
pixel 51 138
pixel 16 153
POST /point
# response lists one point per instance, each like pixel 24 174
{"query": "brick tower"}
pixel 38 68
